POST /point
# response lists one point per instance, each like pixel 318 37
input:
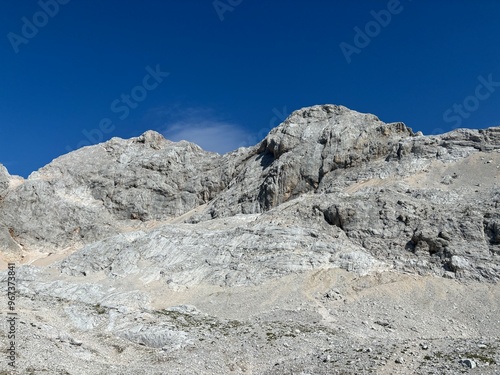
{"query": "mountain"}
pixel 339 244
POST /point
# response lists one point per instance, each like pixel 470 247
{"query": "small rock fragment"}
pixel 468 363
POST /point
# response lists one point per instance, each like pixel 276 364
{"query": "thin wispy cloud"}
pixel 201 126
pixel 210 135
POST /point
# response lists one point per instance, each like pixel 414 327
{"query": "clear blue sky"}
pixel 235 67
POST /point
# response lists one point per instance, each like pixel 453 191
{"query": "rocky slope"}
pixel 338 244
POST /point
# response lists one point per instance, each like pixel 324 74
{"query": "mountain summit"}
pixel 146 239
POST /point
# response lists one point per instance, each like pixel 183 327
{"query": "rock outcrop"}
pixel 4 180
pixel 408 200
pixel 102 190
pixel 316 222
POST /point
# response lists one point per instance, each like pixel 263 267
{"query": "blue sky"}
pixel 222 73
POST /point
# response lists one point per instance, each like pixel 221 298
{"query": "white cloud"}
pixel 210 135
pixel 200 126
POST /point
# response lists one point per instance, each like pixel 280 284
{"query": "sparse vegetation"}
pixel 481 357
pixel 100 309
pixel 119 349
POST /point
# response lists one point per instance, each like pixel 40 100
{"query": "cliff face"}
pixel 425 204
pixel 316 222
pixel 4 180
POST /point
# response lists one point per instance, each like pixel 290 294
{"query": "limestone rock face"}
pixel 404 199
pixel 246 250
pixel 4 180
pixel 101 190
pixel 337 230
pixel 297 156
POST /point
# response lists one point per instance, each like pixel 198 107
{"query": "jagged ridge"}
pixel 354 165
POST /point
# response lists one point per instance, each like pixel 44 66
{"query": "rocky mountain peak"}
pixel 337 230
pixel 322 149
pixel 330 124
pixel 153 139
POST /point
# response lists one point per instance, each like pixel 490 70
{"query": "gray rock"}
pixel 4 180
pixel 7 244
pixel 244 251
pixel 468 363
pixel 155 337
pixel 333 234
pixel 115 185
pixel 81 318
pixel 349 169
